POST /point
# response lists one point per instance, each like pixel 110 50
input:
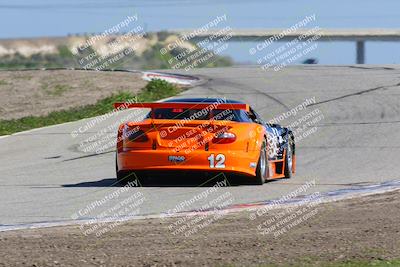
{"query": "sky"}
pixel 38 18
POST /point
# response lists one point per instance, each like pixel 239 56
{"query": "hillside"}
pixel 135 51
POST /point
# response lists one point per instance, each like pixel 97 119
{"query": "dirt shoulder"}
pixel 38 92
pixel 359 229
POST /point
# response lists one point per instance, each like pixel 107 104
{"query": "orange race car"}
pixel 206 135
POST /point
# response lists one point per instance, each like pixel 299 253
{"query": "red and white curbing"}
pixel 185 80
pixel 331 196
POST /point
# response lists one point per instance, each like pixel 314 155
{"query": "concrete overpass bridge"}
pixel 358 36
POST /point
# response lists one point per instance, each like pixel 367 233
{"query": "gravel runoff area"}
pixel 365 228
pixel 38 92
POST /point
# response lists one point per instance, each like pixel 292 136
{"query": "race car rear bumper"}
pixel 239 162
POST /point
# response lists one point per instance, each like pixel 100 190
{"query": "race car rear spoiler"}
pixel 186 105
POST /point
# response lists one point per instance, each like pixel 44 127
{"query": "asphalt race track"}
pixel 45 176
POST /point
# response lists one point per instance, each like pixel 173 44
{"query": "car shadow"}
pixel 108 182
pixel 166 180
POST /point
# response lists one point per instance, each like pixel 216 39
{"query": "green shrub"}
pixel 158 89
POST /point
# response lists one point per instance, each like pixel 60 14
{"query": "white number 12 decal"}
pixel 217 161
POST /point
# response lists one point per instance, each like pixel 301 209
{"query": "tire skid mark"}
pixel 211 81
pixel 384 87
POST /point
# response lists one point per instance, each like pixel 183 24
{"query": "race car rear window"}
pixel 197 114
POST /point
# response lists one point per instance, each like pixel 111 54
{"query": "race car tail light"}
pixel 224 138
pixel 138 136
pixel 120 139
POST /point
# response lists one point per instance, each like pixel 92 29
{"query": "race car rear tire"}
pixel 123 177
pixel 289 161
pixel 262 166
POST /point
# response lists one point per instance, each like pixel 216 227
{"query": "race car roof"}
pixel 204 100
